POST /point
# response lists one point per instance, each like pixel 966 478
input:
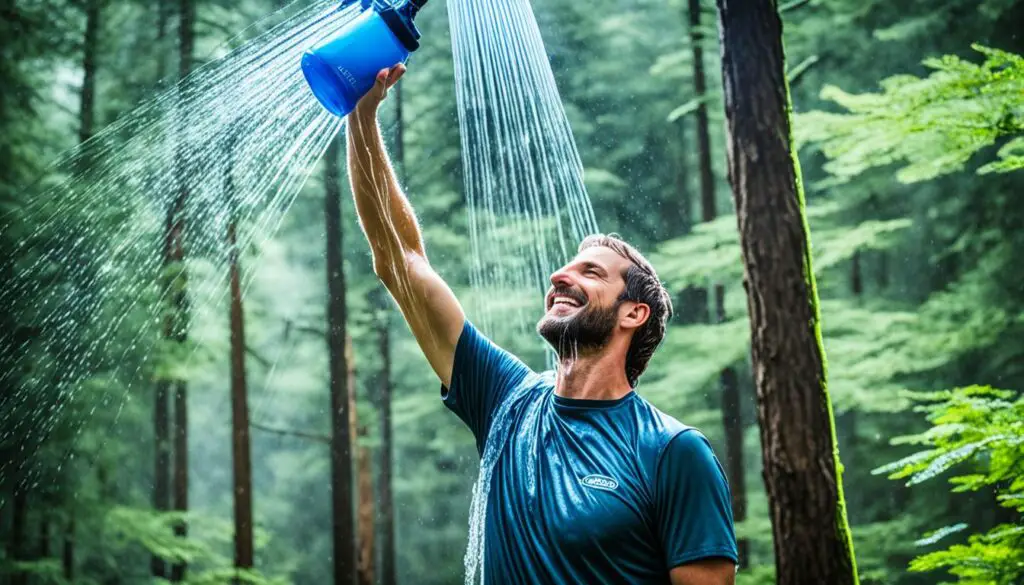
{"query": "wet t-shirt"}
pixel 585 491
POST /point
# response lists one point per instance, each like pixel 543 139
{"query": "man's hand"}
pixel 386 78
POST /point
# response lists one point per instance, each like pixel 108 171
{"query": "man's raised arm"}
pixel 389 223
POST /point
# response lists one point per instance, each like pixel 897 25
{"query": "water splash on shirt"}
pixel 528 207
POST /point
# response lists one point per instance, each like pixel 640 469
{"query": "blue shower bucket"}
pixel 342 67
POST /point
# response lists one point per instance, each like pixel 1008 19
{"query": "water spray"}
pixel 342 67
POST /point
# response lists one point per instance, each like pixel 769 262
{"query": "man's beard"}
pixel 583 332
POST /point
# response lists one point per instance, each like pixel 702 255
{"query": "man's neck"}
pixel 593 376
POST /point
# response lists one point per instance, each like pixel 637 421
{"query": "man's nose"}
pixel 561 278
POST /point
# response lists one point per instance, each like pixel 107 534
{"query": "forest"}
pixel 223 392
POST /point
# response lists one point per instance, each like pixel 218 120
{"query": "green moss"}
pixel 812 287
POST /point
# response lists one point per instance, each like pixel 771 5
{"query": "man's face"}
pixel 581 307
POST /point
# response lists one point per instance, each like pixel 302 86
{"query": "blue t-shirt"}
pixel 586 491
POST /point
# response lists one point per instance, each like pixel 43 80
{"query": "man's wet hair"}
pixel 642 286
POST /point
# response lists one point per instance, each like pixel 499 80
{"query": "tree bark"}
pixel 68 560
pixel 387 563
pixel 240 440
pixel 186 39
pixel 732 420
pixel 801 470
pixel 19 532
pixel 341 448
pixel 44 536
pixel 162 467
pixel 162 10
pixel 883 269
pixel 89 45
pixel 684 211
pixel 161 405
pixel 856 275
pixel 365 512
pixel 707 178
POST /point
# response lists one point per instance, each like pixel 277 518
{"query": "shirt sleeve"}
pixel 693 502
pixel 483 374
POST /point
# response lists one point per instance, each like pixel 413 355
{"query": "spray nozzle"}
pixel 411 7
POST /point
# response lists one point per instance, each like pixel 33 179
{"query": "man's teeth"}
pixel 565 301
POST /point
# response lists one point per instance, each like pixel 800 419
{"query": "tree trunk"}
pixel 19 532
pixel 89 46
pixel 801 468
pixel 387 560
pixel 707 178
pixel 367 553
pixel 684 211
pixel 732 419
pixel 185 47
pixel 341 448
pixel 883 269
pixel 69 550
pixel 692 305
pixel 162 471
pixel 161 406
pixel 241 449
pixel 364 517
pixel 44 536
pixel 86 129
pixel 856 275
pixel 162 10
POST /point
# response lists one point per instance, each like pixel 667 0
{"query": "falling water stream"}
pixel 528 208
pixel 248 120
pixel 248 115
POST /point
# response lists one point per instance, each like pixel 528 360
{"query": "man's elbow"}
pixel 387 272
pixel 394 270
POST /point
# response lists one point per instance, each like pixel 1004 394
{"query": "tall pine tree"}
pixel 801 463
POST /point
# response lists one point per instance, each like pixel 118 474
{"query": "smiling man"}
pixel 594 484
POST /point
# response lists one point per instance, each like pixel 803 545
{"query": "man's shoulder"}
pixel 656 432
pixel 656 426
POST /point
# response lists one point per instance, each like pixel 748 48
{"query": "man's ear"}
pixel 636 315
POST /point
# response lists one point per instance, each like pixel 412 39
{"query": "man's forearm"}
pixel 385 214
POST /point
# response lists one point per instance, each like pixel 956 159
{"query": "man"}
pixel 594 485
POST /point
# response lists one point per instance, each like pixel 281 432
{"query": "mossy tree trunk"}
pixel 801 466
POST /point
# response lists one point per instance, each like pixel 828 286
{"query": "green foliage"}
pixel 932 125
pixel 711 250
pixel 48 571
pixel 758 575
pixel 980 430
pixel 154 532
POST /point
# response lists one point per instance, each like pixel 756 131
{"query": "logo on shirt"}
pixel 601 482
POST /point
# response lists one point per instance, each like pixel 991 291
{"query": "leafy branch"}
pixel 932 125
pixel 981 429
